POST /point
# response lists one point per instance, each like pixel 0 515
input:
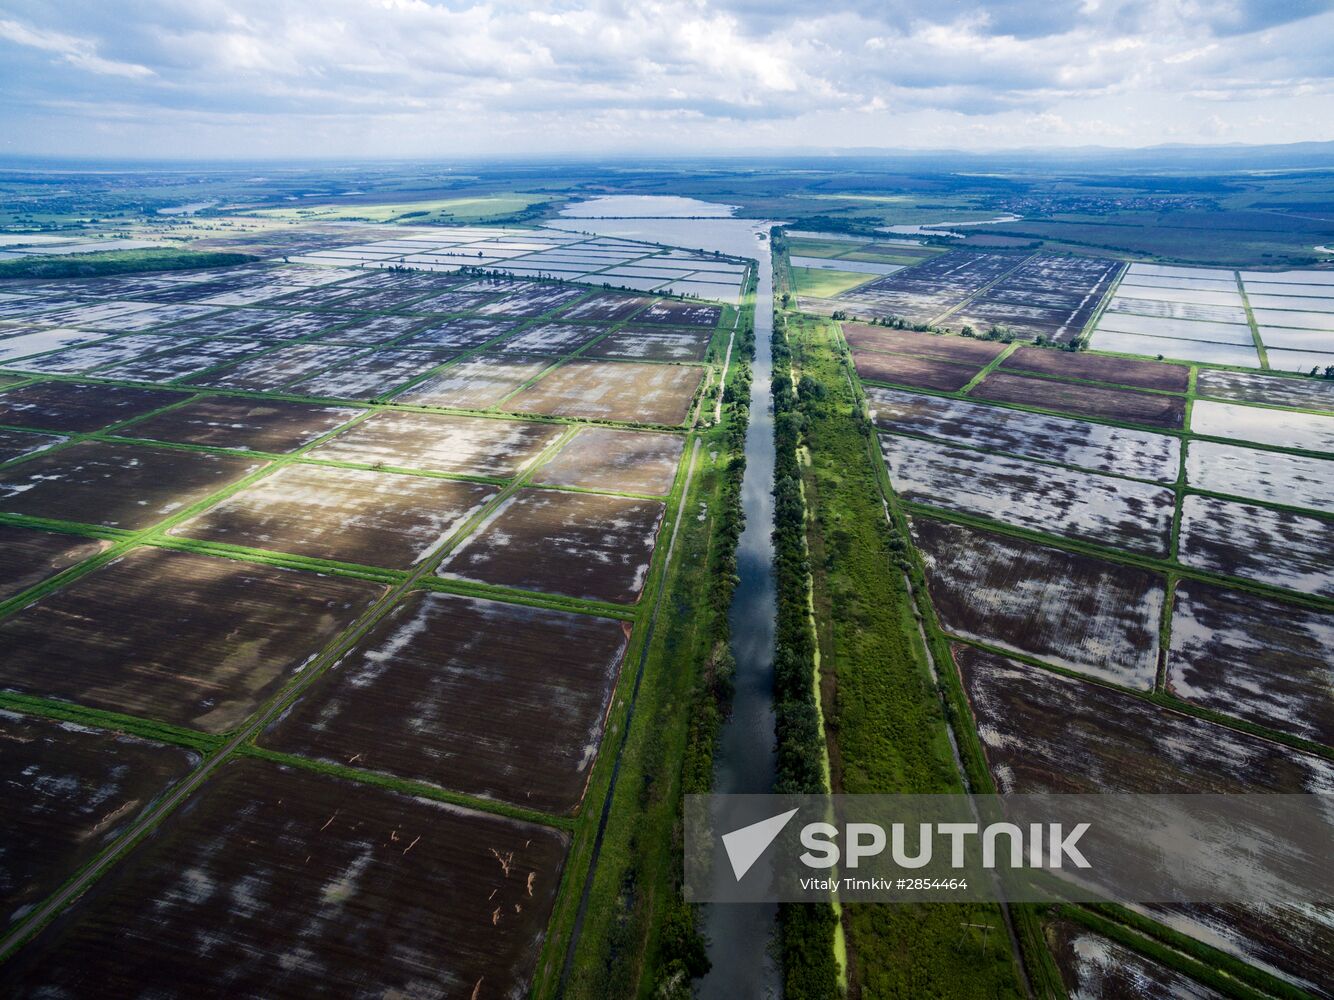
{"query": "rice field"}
pixel 1279 548
pixel 1307 431
pixel 1088 615
pixel 1119 513
pixel 1096 447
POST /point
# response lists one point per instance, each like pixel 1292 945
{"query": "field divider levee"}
pixel 988 368
pixel 977 293
pixel 1250 321
pixel 66 711
pixel 25 929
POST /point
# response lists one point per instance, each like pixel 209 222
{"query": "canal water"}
pixel 740 935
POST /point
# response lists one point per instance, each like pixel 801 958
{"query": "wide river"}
pixel 740 935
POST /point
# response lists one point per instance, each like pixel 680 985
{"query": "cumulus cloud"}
pixel 484 73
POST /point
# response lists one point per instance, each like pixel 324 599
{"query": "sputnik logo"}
pixel 744 846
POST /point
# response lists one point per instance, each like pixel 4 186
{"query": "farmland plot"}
pixel 1046 733
pixel 16 444
pixel 1097 968
pixel 280 326
pixel 1299 320
pixel 86 357
pixel 119 486
pixel 647 344
pixel 1309 431
pixel 1131 298
pixel 550 338
pixel 28 557
pixel 577 544
pixel 963 350
pixel 373 375
pixel 1299 362
pixel 1247 387
pixel 302 885
pixel 1047 295
pixel 931 288
pixel 1177 312
pixel 1255 658
pixel 25 345
pixel 905 369
pixel 69 792
pixel 453 302
pixel 1129 405
pixel 1115 512
pixel 1096 617
pixel 270 372
pixel 1274 477
pixel 1097 447
pixel 177 637
pixel 1100 368
pixel 459 334
pixel 1242 353
pixel 189 359
pixel 531 300
pixel 600 458
pixel 628 391
pixel 227 323
pixel 346 515
pixel 475 383
pixel 514 699
pixel 79 409
pixel 469 446
pixel 1272 546
pixel 606 307
pixel 673 313
pixel 371 330
pixel 1284 338
pixel 263 425
pixel 1173 329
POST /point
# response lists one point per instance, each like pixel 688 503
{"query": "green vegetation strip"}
pixel 106 262
pixel 887 726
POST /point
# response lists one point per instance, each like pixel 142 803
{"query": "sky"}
pixel 412 78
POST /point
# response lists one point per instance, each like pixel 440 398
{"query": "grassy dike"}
pixel 806 931
pixel 886 725
pixel 639 937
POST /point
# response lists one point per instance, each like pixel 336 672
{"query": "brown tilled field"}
pixel 474 383
pixel 470 446
pixel 600 458
pixel 635 343
pixel 922 373
pixel 607 390
pixel 181 638
pixel 576 544
pixel 69 792
pixel 1148 409
pixel 279 882
pixel 119 486
pixel 346 515
pixel 514 699
pixel 1097 617
pixel 863 337
pixel 28 557
pixel 1100 368
pixel 1252 657
pixel 236 422
pixel 70 406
